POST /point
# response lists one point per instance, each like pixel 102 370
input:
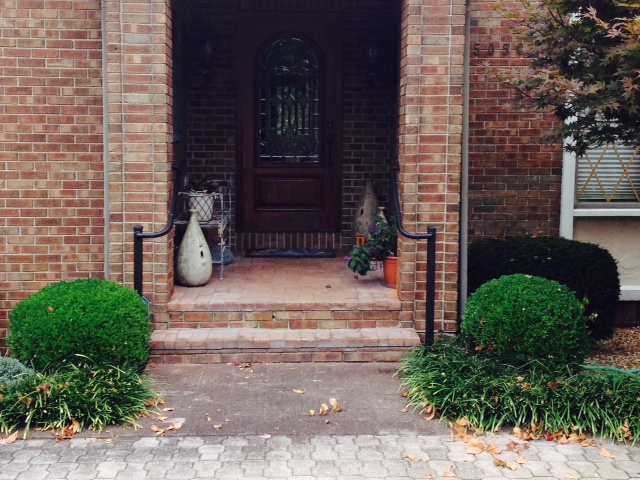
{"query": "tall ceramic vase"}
pixel 193 265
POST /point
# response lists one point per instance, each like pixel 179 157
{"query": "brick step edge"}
pixel 202 346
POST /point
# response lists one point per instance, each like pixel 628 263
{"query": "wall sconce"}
pixel 373 54
pixel 206 49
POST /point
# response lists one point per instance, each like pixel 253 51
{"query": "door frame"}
pixel 248 102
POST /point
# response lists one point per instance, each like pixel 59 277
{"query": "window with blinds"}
pixel 610 173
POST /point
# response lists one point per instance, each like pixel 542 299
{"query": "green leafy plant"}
pixel 79 398
pixel 382 243
pixel 587 269
pixel 584 59
pixel 519 318
pixel 94 318
pixel 12 371
pixel 445 380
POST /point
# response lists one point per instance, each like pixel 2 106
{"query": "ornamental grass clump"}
pixel 75 398
pixel 65 323
pixel 544 402
pixel 519 318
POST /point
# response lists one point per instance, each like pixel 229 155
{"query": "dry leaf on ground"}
pixel 475 446
pixel 450 474
pixel 300 392
pixel 606 453
pixel 493 449
pixel 521 460
pixel 10 439
pixel 413 458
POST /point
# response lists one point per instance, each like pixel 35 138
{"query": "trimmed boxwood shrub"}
pixel 101 320
pixel 587 269
pixel 515 319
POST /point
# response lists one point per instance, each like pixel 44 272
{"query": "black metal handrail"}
pixel 430 236
pixel 139 235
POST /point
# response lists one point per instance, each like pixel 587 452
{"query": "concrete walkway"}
pixel 246 421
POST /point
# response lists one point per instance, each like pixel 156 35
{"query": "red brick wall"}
pixel 51 185
pixel 514 179
pixel 139 74
pixel 430 151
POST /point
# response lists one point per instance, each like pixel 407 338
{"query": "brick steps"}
pixel 275 345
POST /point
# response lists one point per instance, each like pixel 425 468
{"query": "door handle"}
pixel 330 139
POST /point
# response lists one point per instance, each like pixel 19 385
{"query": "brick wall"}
pixel 140 145
pixel 514 179
pixel 430 151
pixel 51 180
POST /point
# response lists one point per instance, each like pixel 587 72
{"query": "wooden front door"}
pixel 289 123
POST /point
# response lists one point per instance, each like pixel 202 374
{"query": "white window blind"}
pixel 610 173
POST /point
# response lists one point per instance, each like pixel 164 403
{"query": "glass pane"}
pixel 289 103
pixel 609 174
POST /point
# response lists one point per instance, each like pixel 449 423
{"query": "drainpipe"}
pixel 464 167
pixel 105 142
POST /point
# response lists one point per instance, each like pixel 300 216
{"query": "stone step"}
pixel 276 345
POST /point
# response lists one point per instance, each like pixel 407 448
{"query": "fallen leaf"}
pixel 405 410
pixel 217 427
pixel 159 431
pixel 521 460
pixel 160 418
pixel 334 406
pixel 499 463
pixel 10 439
pixel 324 408
pixel 606 453
pixel 476 446
pixel 413 458
pixel 327 422
pixel 450 474
pixel 493 449
pixel 208 419
pixel 301 392
pixel 404 394
pixel 168 409
pixel 511 466
pixel 175 426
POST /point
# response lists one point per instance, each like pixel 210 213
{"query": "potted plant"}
pixel 380 246
pixel 199 193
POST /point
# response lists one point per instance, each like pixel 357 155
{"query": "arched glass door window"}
pixel 289 103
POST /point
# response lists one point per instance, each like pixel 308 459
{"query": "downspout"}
pixel 105 143
pixel 464 167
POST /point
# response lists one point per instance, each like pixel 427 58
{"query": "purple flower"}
pixel 373 228
pixel 373 250
pixel 347 259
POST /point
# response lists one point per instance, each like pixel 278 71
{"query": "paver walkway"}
pixel 246 422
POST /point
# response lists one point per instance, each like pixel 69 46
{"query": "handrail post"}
pixel 430 236
pixel 139 235
pixel 137 259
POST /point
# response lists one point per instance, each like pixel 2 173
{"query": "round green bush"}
pixel 518 318
pixel 587 269
pixel 61 323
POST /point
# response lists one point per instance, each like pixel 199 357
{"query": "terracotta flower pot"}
pixel 390 269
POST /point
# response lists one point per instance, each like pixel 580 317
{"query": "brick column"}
pixel 430 151
pixel 140 149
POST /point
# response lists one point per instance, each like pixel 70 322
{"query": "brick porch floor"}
pixel 285 309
